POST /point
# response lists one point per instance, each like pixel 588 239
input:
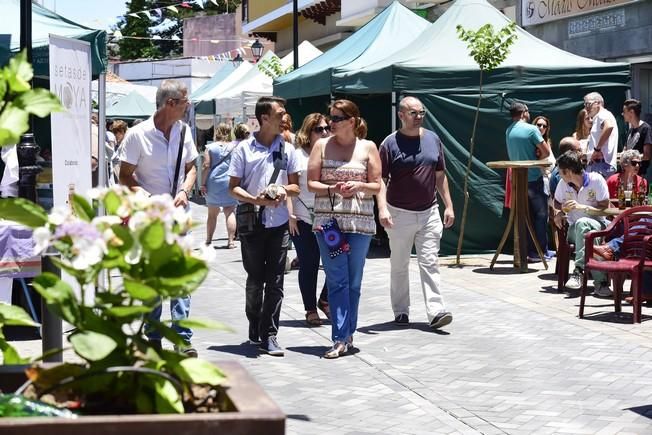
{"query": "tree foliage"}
pixel 167 25
pixel 272 67
pixel 489 49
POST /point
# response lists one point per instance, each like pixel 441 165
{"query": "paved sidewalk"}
pixel 515 360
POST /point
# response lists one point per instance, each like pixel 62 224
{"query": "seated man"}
pixel 577 193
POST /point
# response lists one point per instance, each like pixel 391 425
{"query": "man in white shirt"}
pixel 577 193
pixel 254 164
pixel 603 138
pixel 148 158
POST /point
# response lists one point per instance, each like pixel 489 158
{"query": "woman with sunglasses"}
pixel 314 127
pixel 630 162
pixel 344 173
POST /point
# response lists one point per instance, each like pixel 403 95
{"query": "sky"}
pixel 98 14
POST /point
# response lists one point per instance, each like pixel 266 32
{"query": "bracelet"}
pixel 186 192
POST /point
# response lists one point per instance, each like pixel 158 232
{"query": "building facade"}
pixel 607 30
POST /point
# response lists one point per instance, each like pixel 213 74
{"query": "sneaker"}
pixel 550 254
pixel 253 334
pixel 602 290
pixel 402 320
pixel 574 281
pixel 187 350
pixel 442 319
pixel 272 347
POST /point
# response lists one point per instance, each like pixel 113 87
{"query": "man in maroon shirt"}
pixel 413 168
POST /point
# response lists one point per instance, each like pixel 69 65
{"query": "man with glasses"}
pixel 148 156
pixel 413 167
pixel 639 136
pixel 525 142
pixel 603 138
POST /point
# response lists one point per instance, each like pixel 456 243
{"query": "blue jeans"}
pixel 344 279
pixel 179 310
pixel 538 205
pixel 308 253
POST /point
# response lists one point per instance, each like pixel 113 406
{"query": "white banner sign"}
pixel 70 80
pixel 541 11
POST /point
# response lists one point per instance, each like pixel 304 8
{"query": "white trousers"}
pixel 423 229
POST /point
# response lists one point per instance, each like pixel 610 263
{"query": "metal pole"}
pixel 101 131
pixel 393 111
pixel 51 325
pixel 295 32
pixel 26 27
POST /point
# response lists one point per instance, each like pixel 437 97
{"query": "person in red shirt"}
pixel 630 161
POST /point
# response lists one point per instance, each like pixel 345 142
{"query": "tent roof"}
pixel 44 23
pixel 440 49
pixel 131 106
pixel 255 83
pixel 387 33
pixel 223 78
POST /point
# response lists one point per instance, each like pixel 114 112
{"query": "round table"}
pixel 519 214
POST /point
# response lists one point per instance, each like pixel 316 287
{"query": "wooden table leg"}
pixel 519 186
pixel 508 229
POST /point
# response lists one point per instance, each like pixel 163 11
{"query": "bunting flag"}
pixel 134 15
pixel 215 41
pixel 200 3
pixel 185 5
pixel 173 9
pixel 158 12
pixel 148 15
pixel 214 2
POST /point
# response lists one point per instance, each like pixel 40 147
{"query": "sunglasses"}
pixel 321 130
pixel 542 126
pixel 415 113
pixel 336 118
pixel 635 163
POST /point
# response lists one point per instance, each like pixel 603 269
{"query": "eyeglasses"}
pixel 588 104
pixel 415 113
pixel 542 125
pixel 321 129
pixel 337 119
pixel 635 163
pixel 184 100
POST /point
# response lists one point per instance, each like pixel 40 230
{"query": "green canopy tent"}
pixel 440 72
pixel 309 89
pixel 131 106
pixel 44 23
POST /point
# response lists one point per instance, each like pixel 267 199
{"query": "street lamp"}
pixel 257 49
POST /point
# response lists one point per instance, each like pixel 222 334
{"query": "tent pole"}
pixel 393 111
pixel 101 131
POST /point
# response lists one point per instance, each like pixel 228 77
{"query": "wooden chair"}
pixel 564 252
pixel 635 255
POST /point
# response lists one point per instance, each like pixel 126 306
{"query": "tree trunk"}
pixel 467 174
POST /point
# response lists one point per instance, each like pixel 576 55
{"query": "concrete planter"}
pixel 252 412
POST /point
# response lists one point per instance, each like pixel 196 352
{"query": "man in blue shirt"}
pixel 523 139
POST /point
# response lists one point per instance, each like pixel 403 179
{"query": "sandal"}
pixel 339 348
pixel 325 308
pixel 230 245
pixel 312 318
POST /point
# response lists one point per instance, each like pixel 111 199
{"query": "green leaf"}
pixel 168 333
pixel 39 102
pixel 204 324
pixel 19 73
pixel 153 236
pixel 199 371
pixel 82 208
pixel 144 402
pixel 136 311
pixel 10 354
pixel 23 211
pixel 166 398
pixel 3 89
pixel 13 315
pixel 59 297
pixel 183 277
pixel 13 123
pixel 112 202
pixel 140 291
pixel 92 346
pixel 123 234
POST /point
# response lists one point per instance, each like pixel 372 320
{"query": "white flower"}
pixel 206 253
pixel 124 210
pixel 96 193
pixel 109 220
pixel 89 252
pixel 58 215
pixel 138 221
pixel 182 217
pixel 41 237
pixel 134 254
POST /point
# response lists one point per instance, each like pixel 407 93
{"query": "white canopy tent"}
pixel 117 88
pixel 241 97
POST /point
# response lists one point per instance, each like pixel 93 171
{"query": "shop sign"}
pixel 541 11
pixel 597 22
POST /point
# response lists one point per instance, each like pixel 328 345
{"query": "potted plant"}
pixel 141 239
